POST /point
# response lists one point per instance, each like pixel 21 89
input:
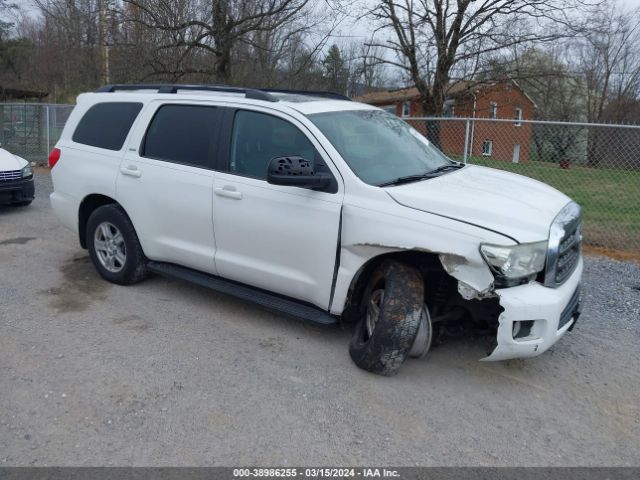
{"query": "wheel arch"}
pixel 425 262
pixel 88 205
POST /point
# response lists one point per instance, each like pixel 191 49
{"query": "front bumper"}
pixel 17 191
pixel 545 315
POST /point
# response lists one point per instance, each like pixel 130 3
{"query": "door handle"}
pixel 229 192
pixel 131 170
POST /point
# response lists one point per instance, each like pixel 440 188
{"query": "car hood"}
pixel 9 161
pixel 513 205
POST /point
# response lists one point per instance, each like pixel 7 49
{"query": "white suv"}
pixel 319 207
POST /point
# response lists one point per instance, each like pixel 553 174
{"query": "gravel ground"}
pixel 166 373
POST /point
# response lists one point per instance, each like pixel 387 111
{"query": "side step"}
pixel 255 295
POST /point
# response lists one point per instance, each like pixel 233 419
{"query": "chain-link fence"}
pixel 30 130
pixel 598 165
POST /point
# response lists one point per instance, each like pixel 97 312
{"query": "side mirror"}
pixel 296 172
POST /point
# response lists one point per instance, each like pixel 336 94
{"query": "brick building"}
pixel 509 141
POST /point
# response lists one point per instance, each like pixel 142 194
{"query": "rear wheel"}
pixel 114 247
pixel 392 314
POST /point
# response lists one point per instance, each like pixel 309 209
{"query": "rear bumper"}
pixel 18 191
pixel 65 208
pixel 545 314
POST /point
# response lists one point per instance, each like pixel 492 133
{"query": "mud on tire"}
pixel 395 330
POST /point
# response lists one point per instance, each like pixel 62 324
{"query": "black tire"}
pixel 24 203
pixel 134 268
pixel 397 326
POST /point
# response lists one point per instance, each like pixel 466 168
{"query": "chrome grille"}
pixel 565 241
pixel 10 175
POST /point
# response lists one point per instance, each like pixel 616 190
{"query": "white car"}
pixel 319 207
pixel 16 180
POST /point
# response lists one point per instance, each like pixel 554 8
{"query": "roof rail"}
pixel 313 93
pixel 251 93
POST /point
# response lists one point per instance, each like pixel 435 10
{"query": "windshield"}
pixel 378 146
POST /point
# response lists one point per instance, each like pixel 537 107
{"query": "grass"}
pixel 610 198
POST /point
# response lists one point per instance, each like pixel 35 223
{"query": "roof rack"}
pixel 173 88
pixel 252 93
pixel 313 93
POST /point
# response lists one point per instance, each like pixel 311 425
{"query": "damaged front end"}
pixel 522 321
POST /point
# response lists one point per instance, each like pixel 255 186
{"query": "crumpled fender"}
pixel 368 233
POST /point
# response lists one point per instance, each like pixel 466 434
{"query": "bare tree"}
pixel 609 65
pixel 430 39
pixel 609 59
pixel 216 27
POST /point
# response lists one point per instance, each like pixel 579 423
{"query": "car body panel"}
pixel 517 206
pixel 9 161
pixel 183 232
pixel 534 302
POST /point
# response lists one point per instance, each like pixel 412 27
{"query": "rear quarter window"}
pixel 183 134
pixel 106 125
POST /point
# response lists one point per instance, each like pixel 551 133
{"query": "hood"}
pixel 513 205
pixel 9 161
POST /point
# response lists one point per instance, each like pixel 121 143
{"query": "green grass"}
pixel 610 198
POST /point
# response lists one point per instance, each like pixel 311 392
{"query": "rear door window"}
pixel 185 134
pixel 106 125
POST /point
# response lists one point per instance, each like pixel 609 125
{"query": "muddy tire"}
pixel 382 342
pixel 114 247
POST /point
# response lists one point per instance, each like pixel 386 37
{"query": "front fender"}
pixel 367 234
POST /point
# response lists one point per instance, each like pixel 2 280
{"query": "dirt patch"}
pixel 622 255
pixel 17 241
pixel 133 322
pixel 81 287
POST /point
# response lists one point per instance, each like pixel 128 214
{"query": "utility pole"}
pixel 102 39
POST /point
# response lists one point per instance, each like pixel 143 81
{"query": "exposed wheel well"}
pixel 428 264
pixel 441 291
pixel 88 205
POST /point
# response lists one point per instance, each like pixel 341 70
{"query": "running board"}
pixel 260 297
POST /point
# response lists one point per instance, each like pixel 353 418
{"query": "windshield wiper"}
pixel 422 176
pixel 448 166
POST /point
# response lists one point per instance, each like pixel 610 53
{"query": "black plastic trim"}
pixel 20 190
pixel 225 141
pixel 571 311
pixel 311 93
pixel 251 93
pixel 336 267
pixel 258 296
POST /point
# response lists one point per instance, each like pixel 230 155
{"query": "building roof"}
pixel 16 93
pixel 411 93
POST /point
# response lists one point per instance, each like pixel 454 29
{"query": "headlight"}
pixel 516 263
pixel 27 171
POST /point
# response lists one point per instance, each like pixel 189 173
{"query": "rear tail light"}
pixel 54 156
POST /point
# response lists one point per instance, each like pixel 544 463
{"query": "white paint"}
pixel 517 206
pixel 9 161
pixel 533 302
pixel 516 153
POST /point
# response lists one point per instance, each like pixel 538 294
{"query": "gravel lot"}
pixel 166 373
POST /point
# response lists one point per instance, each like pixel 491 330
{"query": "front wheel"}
pixel 114 247
pixel 392 313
